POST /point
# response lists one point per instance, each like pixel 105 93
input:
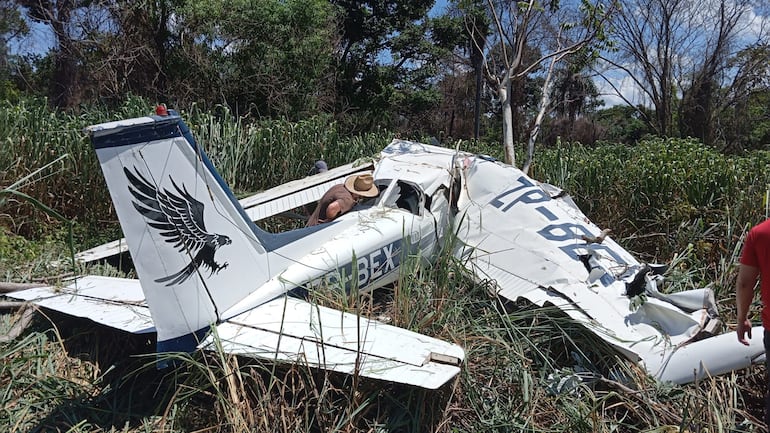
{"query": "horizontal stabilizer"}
pixel 293 330
pixel 115 302
pixel 284 330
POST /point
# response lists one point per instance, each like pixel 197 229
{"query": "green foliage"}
pixel 390 54
pixel 11 22
pixel 250 155
pixel 623 124
pixel 268 58
pixel 16 249
pixel 255 155
pixel 73 187
pixel 749 123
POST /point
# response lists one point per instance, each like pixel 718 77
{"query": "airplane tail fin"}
pixel 195 251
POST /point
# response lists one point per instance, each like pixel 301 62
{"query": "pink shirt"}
pixel 756 253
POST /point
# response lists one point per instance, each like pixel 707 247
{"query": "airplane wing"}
pixel 271 202
pixel 534 243
pixel 285 329
pixel 300 192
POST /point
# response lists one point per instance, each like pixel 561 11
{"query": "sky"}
pixel 39 40
pixel 624 85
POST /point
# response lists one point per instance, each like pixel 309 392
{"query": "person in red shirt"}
pixel 755 263
pixel 339 199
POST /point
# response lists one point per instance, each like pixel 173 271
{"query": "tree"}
pixel 12 26
pixel 648 34
pixel 745 122
pixel 574 92
pixel 450 119
pixel 556 30
pixel 461 75
pixel 701 96
pixel 271 58
pixel 132 53
pixel 64 18
pixel 477 29
pixel 679 50
pixel 104 48
pixel 623 123
pixel 388 59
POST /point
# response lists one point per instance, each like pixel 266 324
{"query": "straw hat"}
pixel 362 184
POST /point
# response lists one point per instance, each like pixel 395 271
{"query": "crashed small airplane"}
pixel 209 275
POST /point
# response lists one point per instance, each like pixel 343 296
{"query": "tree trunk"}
pixel 544 103
pixel 504 94
pixel 63 91
pixel 477 100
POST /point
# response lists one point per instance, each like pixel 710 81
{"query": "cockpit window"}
pixel 402 195
pixel 409 198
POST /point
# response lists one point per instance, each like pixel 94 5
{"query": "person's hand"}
pixel 744 328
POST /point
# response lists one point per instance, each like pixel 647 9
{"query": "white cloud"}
pixel 615 85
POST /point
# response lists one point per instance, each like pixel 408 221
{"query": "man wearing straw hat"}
pixel 341 198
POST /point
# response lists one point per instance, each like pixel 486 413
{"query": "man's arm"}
pixel 332 210
pixel 744 294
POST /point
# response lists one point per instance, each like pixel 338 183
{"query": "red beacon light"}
pixel 161 110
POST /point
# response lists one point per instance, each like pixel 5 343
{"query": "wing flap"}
pixel 115 302
pixel 293 330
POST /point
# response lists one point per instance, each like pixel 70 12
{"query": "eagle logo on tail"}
pixel 178 217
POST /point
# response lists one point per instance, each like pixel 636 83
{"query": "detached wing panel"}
pixel 115 302
pixel 292 330
pixel 534 243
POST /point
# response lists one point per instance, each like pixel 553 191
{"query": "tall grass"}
pixel 251 155
pixel 520 374
pixel 254 155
